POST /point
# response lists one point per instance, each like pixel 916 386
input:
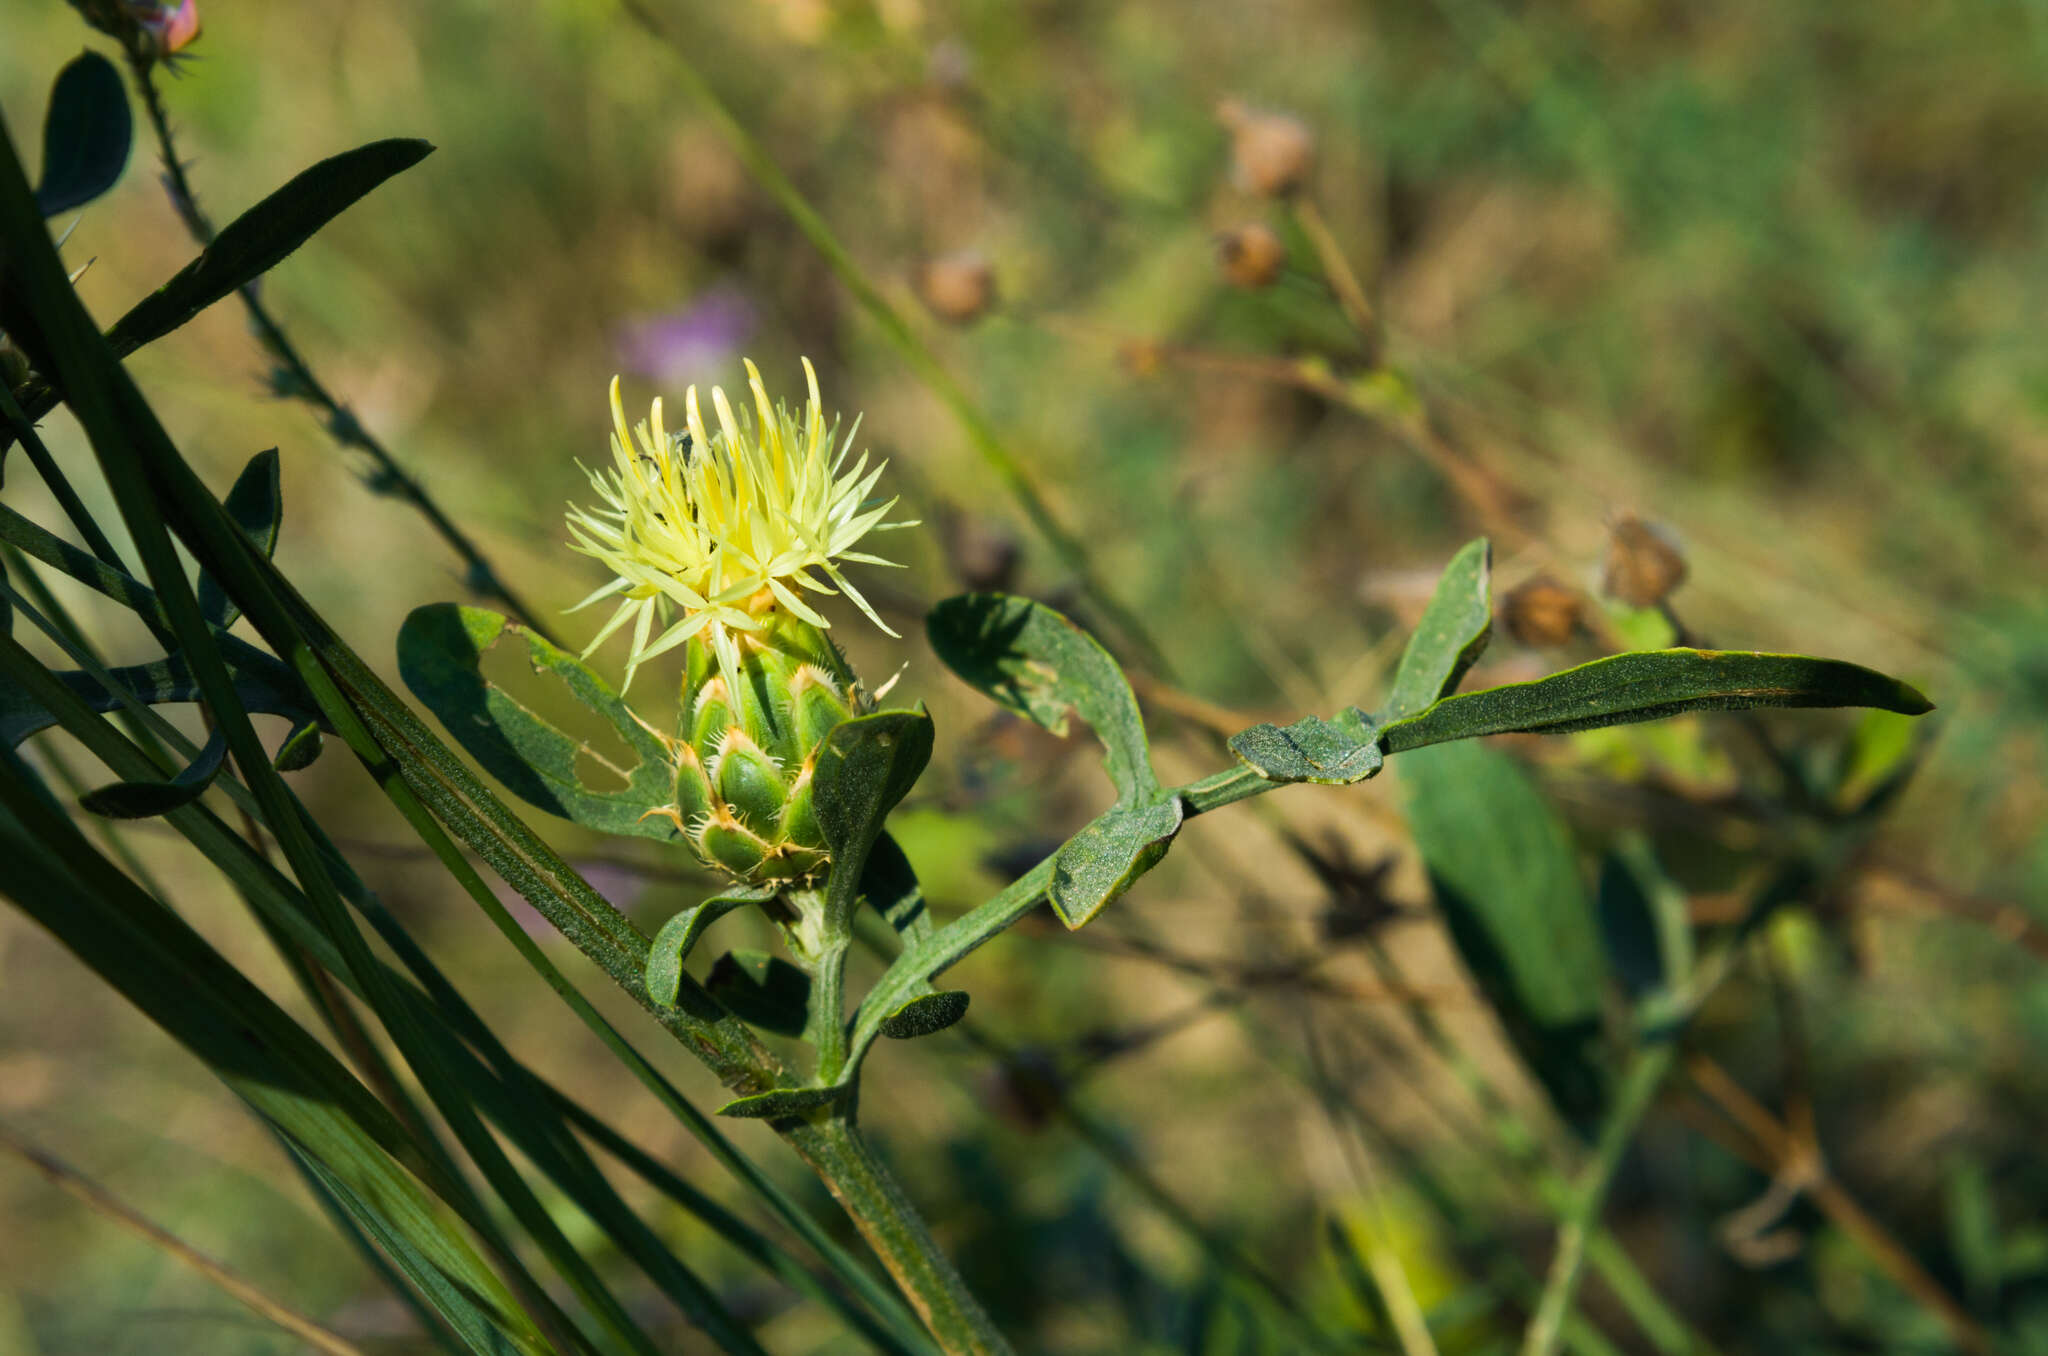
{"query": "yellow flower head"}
pixel 712 531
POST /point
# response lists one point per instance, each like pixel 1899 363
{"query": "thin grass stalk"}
pixel 1632 1098
pixel 103 1202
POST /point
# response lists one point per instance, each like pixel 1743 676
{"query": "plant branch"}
pixel 1798 1160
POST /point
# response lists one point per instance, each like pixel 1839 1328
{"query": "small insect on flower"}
pixel 708 534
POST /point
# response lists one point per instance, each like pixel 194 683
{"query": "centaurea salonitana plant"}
pixel 711 536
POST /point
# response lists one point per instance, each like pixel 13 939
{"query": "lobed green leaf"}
pixel 1031 660
pixel 440 656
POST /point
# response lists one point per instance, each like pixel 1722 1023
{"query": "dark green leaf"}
pixel 1331 752
pixel 145 800
pixel 1449 638
pixel 783 1103
pixel 762 990
pixel 863 768
pixel 1106 858
pixel 440 653
pixel 300 747
pixel 86 135
pixel 255 242
pixel 176 978
pixel 890 887
pixel 1507 880
pixel 1033 661
pixel 1628 928
pixel 1649 685
pixel 264 686
pixel 679 934
pixel 925 1015
pixel 256 503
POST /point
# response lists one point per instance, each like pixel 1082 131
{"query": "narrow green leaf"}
pixel 1329 752
pixel 440 655
pixel 762 990
pixel 671 946
pixel 1507 879
pixel 174 977
pixel 86 135
pixel 1033 661
pixel 1648 685
pixel 1109 855
pixel 783 1103
pixel 264 686
pixel 1450 637
pixel 145 800
pixel 256 503
pixel 259 239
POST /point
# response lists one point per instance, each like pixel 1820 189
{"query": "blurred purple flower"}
pixel 706 335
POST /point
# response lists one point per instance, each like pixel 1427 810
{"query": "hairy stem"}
pixel 833 1148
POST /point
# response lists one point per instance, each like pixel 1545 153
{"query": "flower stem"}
pixel 833 1148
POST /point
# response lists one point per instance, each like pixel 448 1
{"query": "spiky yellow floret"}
pixel 707 533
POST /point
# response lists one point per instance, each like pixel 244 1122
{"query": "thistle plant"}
pixel 730 544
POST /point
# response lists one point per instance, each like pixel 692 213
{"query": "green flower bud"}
pixel 743 774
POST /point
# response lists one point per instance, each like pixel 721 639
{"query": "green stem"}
pixel 1589 1193
pixel 834 1149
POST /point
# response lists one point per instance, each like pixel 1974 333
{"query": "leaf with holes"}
pixel 1031 660
pixel 679 934
pixel 441 649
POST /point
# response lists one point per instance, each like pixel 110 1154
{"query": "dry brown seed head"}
pixel 957 287
pixel 1542 612
pixel 1271 153
pixel 1644 563
pixel 1251 255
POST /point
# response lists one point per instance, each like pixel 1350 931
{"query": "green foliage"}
pixel 1449 638
pixel 1036 663
pixel 441 651
pixel 256 503
pixel 1650 685
pixel 501 1254
pixel 1505 874
pixel 86 135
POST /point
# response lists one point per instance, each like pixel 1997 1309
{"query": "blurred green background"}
pixel 1770 275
